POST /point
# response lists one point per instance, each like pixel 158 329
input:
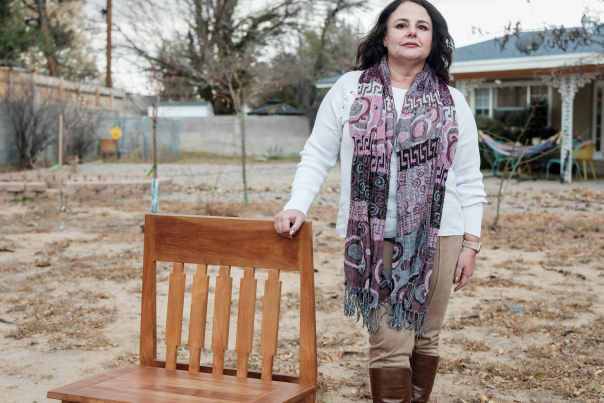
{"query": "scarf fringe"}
pixel 356 300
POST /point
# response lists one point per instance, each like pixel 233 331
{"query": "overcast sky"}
pixel 462 15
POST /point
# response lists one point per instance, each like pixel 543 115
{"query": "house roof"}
pixel 486 59
pixel 276 106
pixel 490 49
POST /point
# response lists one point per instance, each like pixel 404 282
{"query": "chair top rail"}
pixel 225 242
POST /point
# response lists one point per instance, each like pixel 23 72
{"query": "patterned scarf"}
pixel 427 134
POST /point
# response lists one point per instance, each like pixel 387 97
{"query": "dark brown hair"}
pixel 371 47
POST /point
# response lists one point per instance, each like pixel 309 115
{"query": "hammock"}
pixel 515 151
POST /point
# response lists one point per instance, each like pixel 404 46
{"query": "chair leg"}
pixel 585 169
pixel 579 170
pixel 547 170
pixel 593 171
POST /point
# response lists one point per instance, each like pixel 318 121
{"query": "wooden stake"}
pixel 60 140
pixel 60 179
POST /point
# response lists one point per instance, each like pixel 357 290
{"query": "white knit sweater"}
pixel 464 197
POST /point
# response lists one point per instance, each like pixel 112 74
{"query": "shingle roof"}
pixel 489 50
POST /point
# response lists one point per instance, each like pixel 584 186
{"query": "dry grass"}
pixel 496 316
pixel 568 242
pixel 571 366
pixel 64 322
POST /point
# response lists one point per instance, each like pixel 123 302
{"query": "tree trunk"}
pixel 52 66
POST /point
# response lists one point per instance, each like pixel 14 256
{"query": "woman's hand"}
pixel 288 222
pixel 465 266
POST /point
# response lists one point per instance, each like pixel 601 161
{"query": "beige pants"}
pixel 391 348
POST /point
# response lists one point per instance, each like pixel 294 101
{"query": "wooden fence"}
pixel 14 83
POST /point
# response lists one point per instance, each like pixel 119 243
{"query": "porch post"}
pixel 568 85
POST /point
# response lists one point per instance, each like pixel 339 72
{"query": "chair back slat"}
pixel 176 300
pixel 222 314
pixel 223 242
pixel 199 311
pixel 245 320
pixel 270 322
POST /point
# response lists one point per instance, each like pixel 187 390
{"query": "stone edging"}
pixel 44 184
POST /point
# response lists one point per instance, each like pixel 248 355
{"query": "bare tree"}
pixel 220 51
pixel 34 119
pixel 321 53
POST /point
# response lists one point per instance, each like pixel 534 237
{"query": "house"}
pixel 276 106
pixel 498 81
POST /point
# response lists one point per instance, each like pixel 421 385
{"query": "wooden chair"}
pixel 226 242
pixel 585 155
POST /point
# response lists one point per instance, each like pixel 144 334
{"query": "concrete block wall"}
pixel 264 134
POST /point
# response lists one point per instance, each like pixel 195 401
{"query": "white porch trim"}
pixel 526 63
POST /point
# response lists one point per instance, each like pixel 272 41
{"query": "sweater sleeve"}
pixel 321 150
pixel 466 166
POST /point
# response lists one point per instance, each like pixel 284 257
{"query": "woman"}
pixel 412 193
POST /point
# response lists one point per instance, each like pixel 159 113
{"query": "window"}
pixel 482 97
pixel 509 98
pixel 538 93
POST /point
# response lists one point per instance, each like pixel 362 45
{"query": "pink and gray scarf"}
pixel 427 133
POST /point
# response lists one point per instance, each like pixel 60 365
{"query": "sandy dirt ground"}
pixel 70 290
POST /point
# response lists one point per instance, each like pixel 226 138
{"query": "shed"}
pixel 180 109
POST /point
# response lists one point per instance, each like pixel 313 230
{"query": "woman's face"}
pixel 409 34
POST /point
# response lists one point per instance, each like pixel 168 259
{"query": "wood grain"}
pixel 223 241
pixel 176 302
pixel 254 374
pixel 245 320
pixel 199 311
pixel 308 321
pixel 155 385
pixel 222 316
pixel 270 322
pixel 148 338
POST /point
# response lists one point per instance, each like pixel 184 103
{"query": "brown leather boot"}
pixel 390 385
pixel 424 369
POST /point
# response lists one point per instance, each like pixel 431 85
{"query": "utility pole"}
pixel 108 79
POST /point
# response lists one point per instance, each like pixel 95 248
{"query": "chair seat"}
pixel 138 384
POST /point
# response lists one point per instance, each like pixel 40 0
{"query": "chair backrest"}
pixel 251 244
pixel 585 153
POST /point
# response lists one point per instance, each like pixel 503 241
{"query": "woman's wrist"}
pixel 471 238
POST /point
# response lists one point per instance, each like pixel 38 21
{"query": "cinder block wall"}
pixel 104 121
pixel 7 140
pixel 264 134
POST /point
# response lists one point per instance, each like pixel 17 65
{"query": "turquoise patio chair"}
pixel 559 162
